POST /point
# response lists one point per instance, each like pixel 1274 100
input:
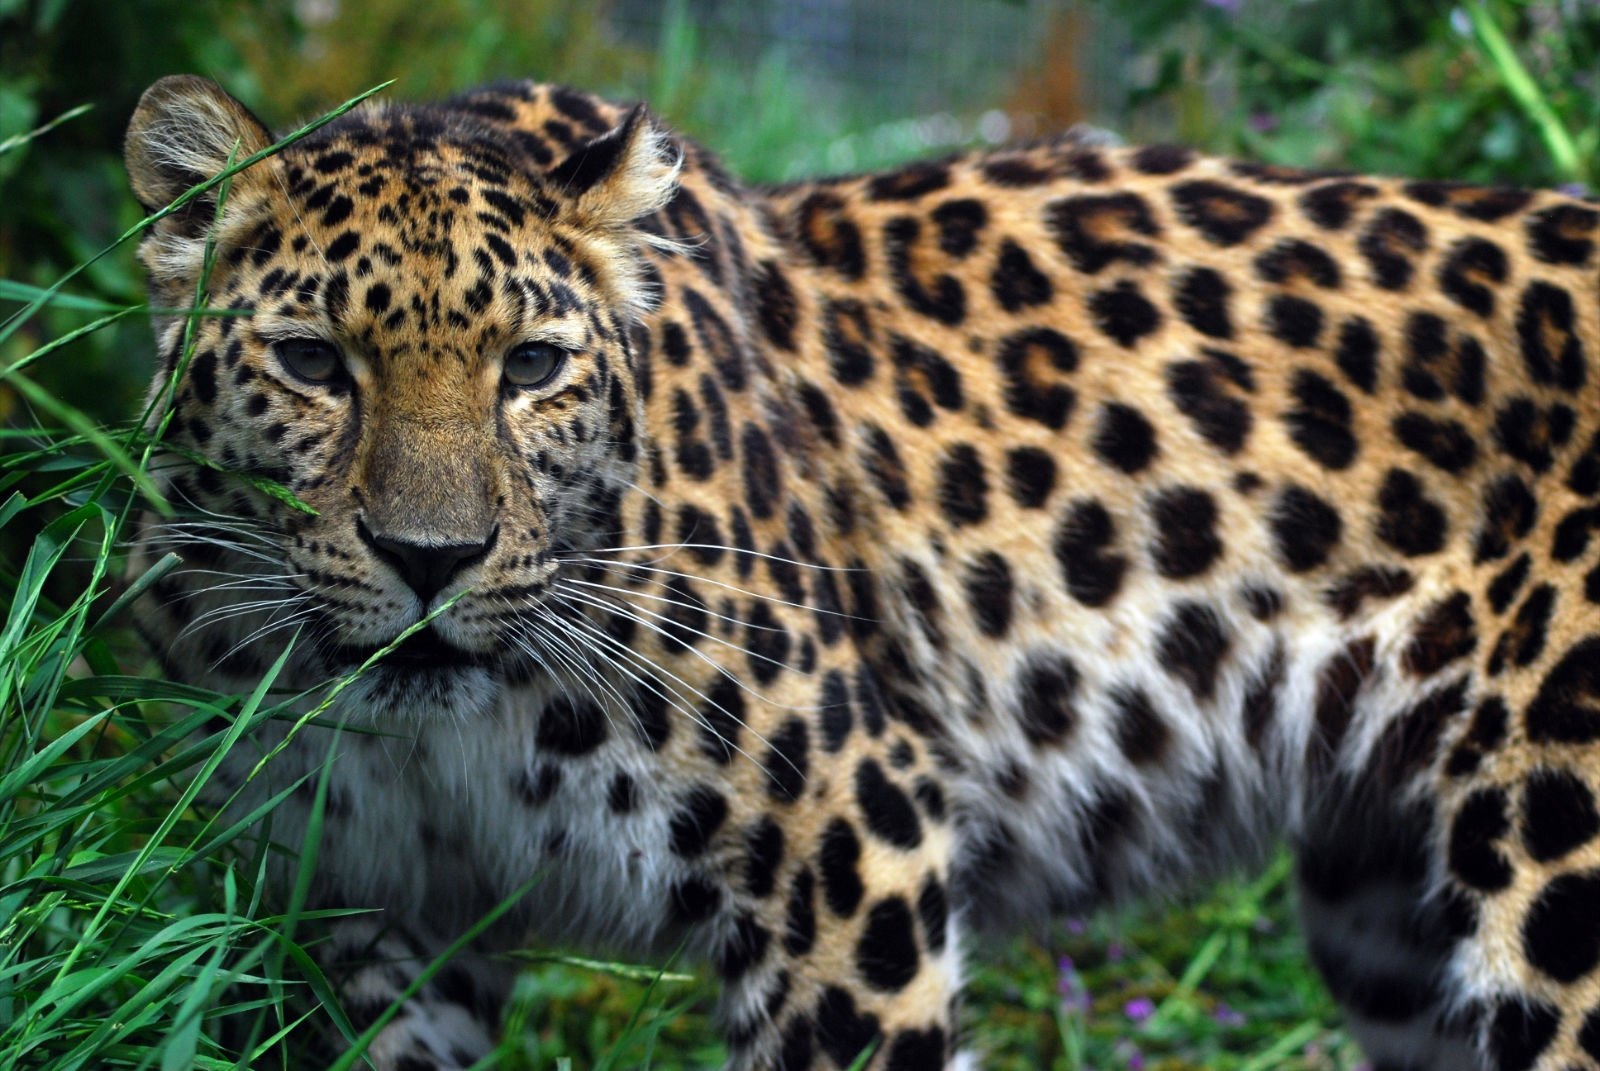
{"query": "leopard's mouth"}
pixel 422 650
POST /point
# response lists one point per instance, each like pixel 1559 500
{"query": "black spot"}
pixel 1357 353
pixel 913 1050
pixel 776 307
pixel 1561 234
pixel 1474 858
pixel 1521 1029
pixel 1123 438
pixel 847 335
pixel 1589 1036
pixel 787 761
pixel 536 788
pixel 1163 159
pixel 571 727
pixel 888 810
pixel 1548 333
pixel 843 1031
pixel 1486 203
pixel 1292 259
pixel 1046 687
pixel 834 713
pixel 1330 206
pixel 933 908
pixel 721 720
pixel 1141 733
pixel 1504 587
pixel 1094 231
pixel 800 929
pixel 1389 242
pixel 1184 521
pixel 694 899
pixel 1531 433
pixel 1444 633
pixel 1306 528
pixel 795 1055
pixel 923 376
pixel 1409 521
pixel 703 811
pixel 1509 511
pixel 1014 171
pixel 887 953
pixel 1445 443
pixel 1470 272
pixel 963 486
pixel 1524 641
pixel 623 795
pixel 1032 362
pixel 987 580
pixel 767 643
pixel 1093 572
pixel 1224 215
pixel 1201 297
pixel 959 222
pixel 1030 476
pixel 1016 283
pixel 938 296
pixel 1294 321
pixel 1559 937
pixel 839 860
pixel 1435 366
pixel 909 183
pixel 1319 423
pixel 1124 313
pixel 1263 603
pixel 1369 582
pixel 1199 390
pixel 1571 539
pixel 1192 645
pixel 743 948
pixel 1566 708
pixel 1558 814
pixel 830 235
pixel 882 462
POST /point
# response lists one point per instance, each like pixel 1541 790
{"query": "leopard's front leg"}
pixel 448 1024
pixel 837 937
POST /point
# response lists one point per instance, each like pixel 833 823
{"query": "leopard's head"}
pixel 423 333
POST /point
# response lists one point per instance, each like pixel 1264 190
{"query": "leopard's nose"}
pixel 426 567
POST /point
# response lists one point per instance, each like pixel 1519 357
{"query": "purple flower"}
pixel 1115 953
pixel 1263 122
pixel 1076 926
pixel 1573 189
pixel 1069 985
pixel 1226 1016
pixel 1133 1058
pixel 1139 1009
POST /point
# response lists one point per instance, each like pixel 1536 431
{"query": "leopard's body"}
pixel 895 556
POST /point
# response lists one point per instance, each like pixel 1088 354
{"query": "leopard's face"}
pixel 435 362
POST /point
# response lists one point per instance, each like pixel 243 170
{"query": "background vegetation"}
pixel 124 923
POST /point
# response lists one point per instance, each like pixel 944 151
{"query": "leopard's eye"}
pixel 533 364
pixel 311 359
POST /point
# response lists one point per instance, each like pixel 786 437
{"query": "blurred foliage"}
pixel 1493 91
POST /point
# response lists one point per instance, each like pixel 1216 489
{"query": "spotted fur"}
pixel 897 555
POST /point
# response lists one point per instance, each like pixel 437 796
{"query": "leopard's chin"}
pixel 405 693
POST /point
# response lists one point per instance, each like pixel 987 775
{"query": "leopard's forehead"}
pixel 411 230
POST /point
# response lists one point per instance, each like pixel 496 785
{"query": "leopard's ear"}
pixel 625 173
pixel 183 132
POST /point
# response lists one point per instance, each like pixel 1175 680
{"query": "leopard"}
pixel 809 580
